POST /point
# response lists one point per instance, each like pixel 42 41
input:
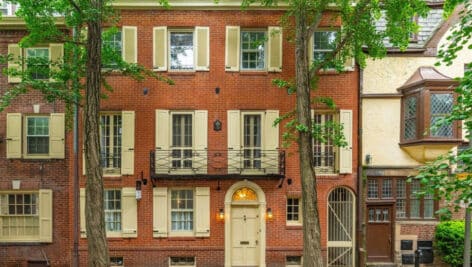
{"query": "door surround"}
pixel 261 203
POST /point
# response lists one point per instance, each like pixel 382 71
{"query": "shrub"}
pixel 449 241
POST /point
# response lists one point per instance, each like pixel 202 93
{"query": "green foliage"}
pixel 449 241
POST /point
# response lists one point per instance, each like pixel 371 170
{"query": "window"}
pixel 441 106
pixel 116 261
pixel 112 207
pixel 410 118
pixel 182 261
pixel 110 142
pixel 323 44
pixel 324 153
pixel 182 141
pixel 38 62
pixel 408 205
pixel 253 50
pixel 293 211
pixel 181 210
pixel 293 261
pixel 181 49
pixel 181 55
pixel 252 141
pixel 20 214
pixel 112 48
pixel 37 135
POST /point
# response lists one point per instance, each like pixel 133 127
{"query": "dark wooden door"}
pixel 379 233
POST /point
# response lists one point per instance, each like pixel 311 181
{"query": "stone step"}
pixel 381 264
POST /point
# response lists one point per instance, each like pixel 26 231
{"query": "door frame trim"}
pixel 261 202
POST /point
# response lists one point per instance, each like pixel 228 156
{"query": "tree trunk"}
pixel 312 256
pixel 94 213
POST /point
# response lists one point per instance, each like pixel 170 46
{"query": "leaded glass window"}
pixel 440 107
pixel 410 118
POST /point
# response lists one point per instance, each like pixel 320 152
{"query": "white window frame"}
pixel 113 233
pixel 25 143
pixel 294 222
pixel 27 51
pixel 183 263
pixel 243 147
pixel 181 148
pixel 173 232
pixel 241 51
pixel 111 170
pixel 169 45
pixel 323 168
pixel 113 43
pixel 5 214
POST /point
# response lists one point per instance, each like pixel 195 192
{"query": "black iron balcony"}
pixel 190 163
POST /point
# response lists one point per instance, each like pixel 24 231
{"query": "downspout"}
pixel 361 226
pixel 76 218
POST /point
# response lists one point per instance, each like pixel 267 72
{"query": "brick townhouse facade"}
pixel 195 174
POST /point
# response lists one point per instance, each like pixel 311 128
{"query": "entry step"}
pixel 381 264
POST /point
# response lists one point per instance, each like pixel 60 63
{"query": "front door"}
pixel 245 235
pixel 379 233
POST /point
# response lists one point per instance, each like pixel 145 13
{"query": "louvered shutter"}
pixel 130 44
pixel 127 144
pixel 129 212
pixel 201 141
pixel 56 52
pixel 56 136
pixel 232 48
pixel 159 212
pixel 202 55
pixel 83 224
pixel 202 211
pixel 160 48
pixel 162 141
pixel 345 153
pixel 275 49
pixel 234 141
pixel 13 137
pixel 271 142
pixel 16 62
pixel 45 215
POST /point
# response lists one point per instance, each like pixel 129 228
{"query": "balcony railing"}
pixel 181 162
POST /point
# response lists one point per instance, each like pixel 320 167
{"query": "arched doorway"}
pixel 341 228
pixel 245 243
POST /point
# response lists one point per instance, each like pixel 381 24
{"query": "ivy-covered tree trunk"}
pixel 94 213
pixel 312 256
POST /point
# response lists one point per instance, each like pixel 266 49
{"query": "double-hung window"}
pixel 182 141
pixel 324 43
pixel 252 145
pixel 112 207
pixel 37 135
pixel 181 50
pixel 293 211
pixel 253 50
pixel 181 211
pixel 110 142
pixel 112 47
pixel 37 59
pixel 324 153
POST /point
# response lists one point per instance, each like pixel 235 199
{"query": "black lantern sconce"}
pixel 269 214
pixel 139 183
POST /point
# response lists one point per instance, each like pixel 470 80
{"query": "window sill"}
pixel 20 243
pixel 253 72
pixel 294 226
pixel 182 238
pixel 181 73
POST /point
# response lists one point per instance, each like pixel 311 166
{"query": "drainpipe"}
pixel 361 227
pixel 76 218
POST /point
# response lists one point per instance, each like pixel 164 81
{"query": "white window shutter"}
pixel 13 137
pixel 310 49
pixel 56 52
pixel 84 166
pixel 349 64
pixel 202 211
pixel 232 48
pixel 202 55
pixel 159 47
pixel 201 140
pixel 45 215
pixel 56 136
pixel 83 224
pixel 275 49
pixel 129 212
pixel 234 140
pixel 130 44
pixel 345 153
pixel 159 217
pixel 162 137
pixel 16 63
pixel 270 141
pixel 127 143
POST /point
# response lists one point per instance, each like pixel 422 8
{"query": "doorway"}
pixel 379 232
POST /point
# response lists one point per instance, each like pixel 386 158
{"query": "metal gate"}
pixel 341 223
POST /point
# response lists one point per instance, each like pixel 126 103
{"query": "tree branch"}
pixel 76 7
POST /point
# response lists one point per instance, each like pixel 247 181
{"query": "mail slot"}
pixel 244 242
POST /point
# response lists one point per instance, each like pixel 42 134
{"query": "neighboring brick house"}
pixel 220 190
pixel 402 95
pixel 34 184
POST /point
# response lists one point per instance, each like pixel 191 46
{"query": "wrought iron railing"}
pixel 251 162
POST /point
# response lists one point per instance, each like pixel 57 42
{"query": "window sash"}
pixel 37 59
pixel 37 135
pixel 181 52
pixel 324 154
pixel 252 141
pixel 110 141
pixel 293 210
pixel 19 216
pixel 182 210
pixel 409 117
pixel 440 106
pixel 112 207
pixel 114 43
pixel 182 141
pixel 323 44
pixel 253 50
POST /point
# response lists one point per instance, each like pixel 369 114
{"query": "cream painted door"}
pixel 245 235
